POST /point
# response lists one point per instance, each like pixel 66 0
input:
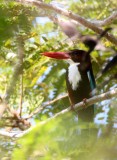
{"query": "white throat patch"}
pixel 73 74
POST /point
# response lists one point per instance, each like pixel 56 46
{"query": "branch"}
pixel 78 106
pixel 15 134
pixel 17 69
pixel 106 21
pixel 89 102
pixel 75 17
pixel 39 109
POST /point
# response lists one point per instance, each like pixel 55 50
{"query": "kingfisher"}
pixel 80 79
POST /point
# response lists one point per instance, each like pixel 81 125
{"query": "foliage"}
pixel 43 78
pixel 98 9
pixel 65 138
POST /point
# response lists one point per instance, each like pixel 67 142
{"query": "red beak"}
pixel 57 55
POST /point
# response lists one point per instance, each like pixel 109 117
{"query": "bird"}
pixel 80 80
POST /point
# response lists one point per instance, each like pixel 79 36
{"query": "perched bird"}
pixel 79 78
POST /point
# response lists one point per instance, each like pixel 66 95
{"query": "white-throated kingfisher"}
pixel 79 78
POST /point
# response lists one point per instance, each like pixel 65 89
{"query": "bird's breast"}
pixel 78 84
pixel 74 76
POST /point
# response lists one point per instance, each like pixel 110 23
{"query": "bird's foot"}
pixel 85 103
pixel 73 109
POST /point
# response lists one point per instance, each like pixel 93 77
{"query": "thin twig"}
pixel 106 21
pixel 21 96
pixel 39 109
